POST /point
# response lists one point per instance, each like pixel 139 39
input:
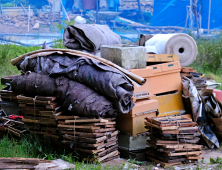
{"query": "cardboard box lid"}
pixel 158 69
pixel 144 107
pixel 161 57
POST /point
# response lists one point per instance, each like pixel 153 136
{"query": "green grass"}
pixel 209 58
pixel 8 52
pixel 30 146
pixel 208 61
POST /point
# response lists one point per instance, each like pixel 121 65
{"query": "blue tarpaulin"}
pixel 174 13
pixel 170 13
pixel 215 15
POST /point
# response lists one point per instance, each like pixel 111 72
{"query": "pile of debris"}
pixel 146 6
pixel 74 106
pixel 43 18
pixel 173 140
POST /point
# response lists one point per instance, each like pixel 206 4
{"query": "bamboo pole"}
pixel 130 75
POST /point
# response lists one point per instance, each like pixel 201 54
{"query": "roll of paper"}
pixel 181 44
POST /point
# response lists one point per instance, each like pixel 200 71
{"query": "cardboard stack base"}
pixel 173 140
pixel 95 140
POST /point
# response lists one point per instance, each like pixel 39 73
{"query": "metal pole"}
pixel 1 11
pixel 191 19
pixel 65 11
pixel 209 16
pixel 28 18
pixel 195 13
pixel 97 9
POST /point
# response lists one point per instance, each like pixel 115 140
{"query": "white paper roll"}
pixel 181 44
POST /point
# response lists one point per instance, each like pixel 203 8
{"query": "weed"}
pixel 64 24
pixel 58 44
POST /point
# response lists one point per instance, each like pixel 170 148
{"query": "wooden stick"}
pixel 78 127
pixel 186 153
pixel 24 9
pixel 87 120
pixel 129 74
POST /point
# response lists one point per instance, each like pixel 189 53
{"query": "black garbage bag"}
pixel 90 72
pixel 76 97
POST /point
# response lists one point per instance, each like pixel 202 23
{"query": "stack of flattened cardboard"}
pixel 94 139
pixel 188 71
pixel 40 115
pixel 173 140
pixel 198 79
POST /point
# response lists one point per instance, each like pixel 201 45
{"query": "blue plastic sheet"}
pixel 169 13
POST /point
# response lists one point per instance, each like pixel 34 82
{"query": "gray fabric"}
pixel 89 37
pixel 76 97
pixel 99 77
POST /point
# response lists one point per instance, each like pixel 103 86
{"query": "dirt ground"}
pixel 148 165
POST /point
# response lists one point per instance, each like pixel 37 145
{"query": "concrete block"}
pixel 126 56
pixel 130 143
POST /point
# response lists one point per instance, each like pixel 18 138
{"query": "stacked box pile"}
pixel 163 83
pixel 173 141
pixel 95 140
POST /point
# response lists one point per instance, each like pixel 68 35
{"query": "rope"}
pixel 34 112
pixel 74 126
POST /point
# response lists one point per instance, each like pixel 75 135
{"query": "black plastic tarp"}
pixel 90 72
pixel 77 98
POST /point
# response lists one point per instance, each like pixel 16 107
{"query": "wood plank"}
pixel 108 155
pixel 15 133
pixel 86 140
pixel 111 139
pixel 89 151
pixel 61 117
pixel 49 114
pixel 162 157
pixel 185 153
pixel 43 98
pixel 16 166
pixel 162 163
pixel 152 125
pixel 89 145
pixel 195 157
pixel 92 135
pixel 185 146
pixel 100 124
pixel 97 130
pixel 14 121
pixel 87 120
pixel 78 127
pixel 108 150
